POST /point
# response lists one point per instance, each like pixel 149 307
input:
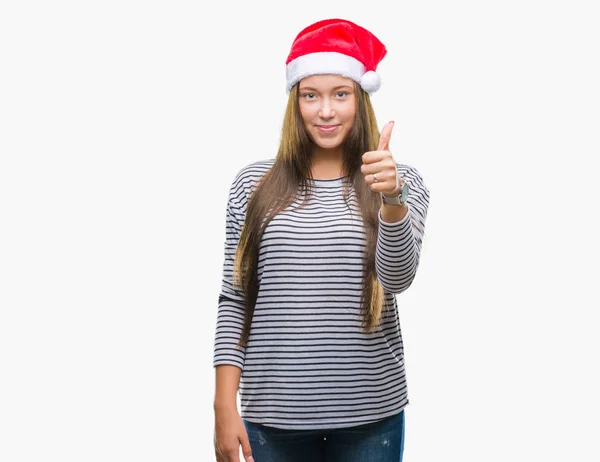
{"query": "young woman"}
pixel 319 241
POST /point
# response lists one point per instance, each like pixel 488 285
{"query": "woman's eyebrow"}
pixel 335 88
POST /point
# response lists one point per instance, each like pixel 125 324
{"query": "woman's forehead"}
pixel 326 81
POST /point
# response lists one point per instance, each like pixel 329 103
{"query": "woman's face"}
pixel 328 107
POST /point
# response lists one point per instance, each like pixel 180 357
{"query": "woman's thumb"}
pixel 246 449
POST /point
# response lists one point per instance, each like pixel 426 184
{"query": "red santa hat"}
pixel 336 46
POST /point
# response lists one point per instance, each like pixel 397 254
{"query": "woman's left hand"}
pixel 382 164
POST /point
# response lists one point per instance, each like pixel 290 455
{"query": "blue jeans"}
pixel 381 441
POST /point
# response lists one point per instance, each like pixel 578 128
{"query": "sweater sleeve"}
pixel 230 315
pixel 399 244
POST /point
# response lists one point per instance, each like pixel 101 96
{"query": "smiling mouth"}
pixel 327 128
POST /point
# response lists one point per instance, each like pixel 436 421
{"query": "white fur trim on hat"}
pixel 323 63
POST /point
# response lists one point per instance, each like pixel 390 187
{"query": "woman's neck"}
pixel 326 164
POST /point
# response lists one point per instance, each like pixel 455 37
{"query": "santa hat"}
pixel 336 46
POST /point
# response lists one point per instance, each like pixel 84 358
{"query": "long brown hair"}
pixel 278 188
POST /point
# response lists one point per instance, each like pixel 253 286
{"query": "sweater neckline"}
pixel 329 180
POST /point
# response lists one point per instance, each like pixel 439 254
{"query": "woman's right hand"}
pixel 230 433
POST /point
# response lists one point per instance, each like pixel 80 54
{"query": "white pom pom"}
pixel 370 81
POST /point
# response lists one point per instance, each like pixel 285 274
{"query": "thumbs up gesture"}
pixel 379 167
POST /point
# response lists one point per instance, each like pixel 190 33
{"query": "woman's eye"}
pixel 340 94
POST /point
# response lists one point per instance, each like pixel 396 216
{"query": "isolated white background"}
pixel 122 125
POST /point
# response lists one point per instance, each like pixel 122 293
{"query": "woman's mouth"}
pixel 327 128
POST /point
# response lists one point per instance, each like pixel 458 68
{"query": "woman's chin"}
pixel 328 144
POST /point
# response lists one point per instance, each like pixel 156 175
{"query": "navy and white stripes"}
pixel 308 363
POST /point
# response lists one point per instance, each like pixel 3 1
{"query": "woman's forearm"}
pixel 227 381
pixel 392 213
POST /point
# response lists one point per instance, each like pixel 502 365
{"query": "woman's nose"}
pixel 326 111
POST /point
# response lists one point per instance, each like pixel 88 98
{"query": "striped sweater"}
pixel 308 364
